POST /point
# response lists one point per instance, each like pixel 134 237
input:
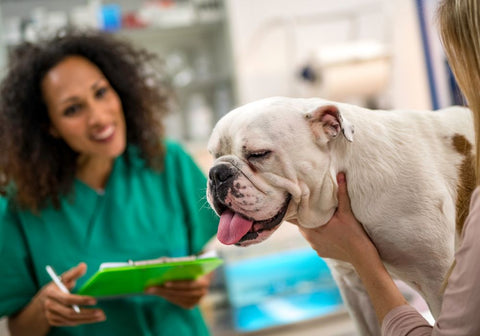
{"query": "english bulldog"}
pixel 410 176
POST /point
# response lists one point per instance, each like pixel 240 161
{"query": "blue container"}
pixel 111 17
pixel 283 288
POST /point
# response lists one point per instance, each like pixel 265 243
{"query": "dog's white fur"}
pixel 402 171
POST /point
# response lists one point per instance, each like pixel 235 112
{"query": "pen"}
pixel 60 284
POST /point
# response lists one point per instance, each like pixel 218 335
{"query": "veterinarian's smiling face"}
pixel 84 109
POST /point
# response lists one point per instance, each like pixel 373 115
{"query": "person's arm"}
pixel 29 321
pixel 343 238
pixel 381 288
pixel 461 300
pixel 330 241
pixel 51 307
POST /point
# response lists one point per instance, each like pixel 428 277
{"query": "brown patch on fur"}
pixel 466 183
pixel 465 187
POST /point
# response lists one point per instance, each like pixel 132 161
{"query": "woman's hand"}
pixel 184 293
pixel 343 237
pixel 57 305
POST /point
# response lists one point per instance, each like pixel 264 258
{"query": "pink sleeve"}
pixel 405 320
pixel 461 302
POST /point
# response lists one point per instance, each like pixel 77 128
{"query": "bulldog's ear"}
pixel 326 123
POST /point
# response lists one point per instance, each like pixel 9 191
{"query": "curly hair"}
pixel 40 168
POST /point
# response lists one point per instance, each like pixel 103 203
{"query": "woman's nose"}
pixel 97 114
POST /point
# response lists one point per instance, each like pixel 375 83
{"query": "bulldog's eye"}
pixel 258 155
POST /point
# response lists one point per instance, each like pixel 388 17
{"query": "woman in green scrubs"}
pixel 87 178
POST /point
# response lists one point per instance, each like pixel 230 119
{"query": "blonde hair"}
pixel 459 27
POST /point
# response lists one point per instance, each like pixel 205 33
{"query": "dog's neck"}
pixel 367 162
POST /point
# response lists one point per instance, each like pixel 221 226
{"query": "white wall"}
pixel 410 85
pixel 271 37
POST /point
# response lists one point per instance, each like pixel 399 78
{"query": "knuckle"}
pixel 71 314
pixel 50 319
pixel 49 289
pixel 47 304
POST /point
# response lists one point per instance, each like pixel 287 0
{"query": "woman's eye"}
pixel 259 155
pixel 101 92
pixel 72 109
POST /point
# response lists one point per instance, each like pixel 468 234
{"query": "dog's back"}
pixel 414 158
pixel 410 176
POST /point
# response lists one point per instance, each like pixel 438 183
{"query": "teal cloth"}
pixel 142 214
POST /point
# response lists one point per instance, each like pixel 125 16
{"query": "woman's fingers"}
pixel 72 299
pixel 60 312
pixel 183 299
pixel 58 306
pixel 60 315
pixel 52 291
pixel 164 291
pixel 180 289
pixel 185 294
pixel 69 277
pixel 203 282
pixel 342 194
pixel 184 302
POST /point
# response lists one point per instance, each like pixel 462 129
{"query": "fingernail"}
pixel 100 316
pixel 341 178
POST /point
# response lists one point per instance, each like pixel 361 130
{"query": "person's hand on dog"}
pixel 184 293
pixel 342 237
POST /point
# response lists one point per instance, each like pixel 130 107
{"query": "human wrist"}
pixel 364 253
pixel 378 282
pixel 32 317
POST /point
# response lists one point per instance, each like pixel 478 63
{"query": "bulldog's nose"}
pixel 220 174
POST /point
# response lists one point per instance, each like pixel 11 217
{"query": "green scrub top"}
pixel 142 214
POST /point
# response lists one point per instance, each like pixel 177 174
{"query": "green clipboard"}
pixel 133 278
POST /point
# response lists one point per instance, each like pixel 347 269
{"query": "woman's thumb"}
pixel 342 194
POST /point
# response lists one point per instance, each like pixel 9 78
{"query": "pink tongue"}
pixel 232 227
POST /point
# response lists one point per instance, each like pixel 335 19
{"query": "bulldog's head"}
pixel 273 163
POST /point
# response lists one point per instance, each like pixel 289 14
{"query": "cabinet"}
pixel 197 59
pixel 195 50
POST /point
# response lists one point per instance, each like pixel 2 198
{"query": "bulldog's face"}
pixel 272 163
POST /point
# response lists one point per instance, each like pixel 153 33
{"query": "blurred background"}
pixel 219 54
